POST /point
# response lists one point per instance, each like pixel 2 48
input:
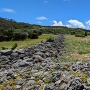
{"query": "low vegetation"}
pixel 50 39
pixel 78 48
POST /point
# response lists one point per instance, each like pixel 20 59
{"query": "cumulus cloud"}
pixel 8 10
pixel 39 22
pixel 71 23
pixel 75 24
pixel 55 23
pixel 41 18
pixel 88 22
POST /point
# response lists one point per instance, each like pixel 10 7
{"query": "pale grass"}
pixel 78 48
pixel 80 57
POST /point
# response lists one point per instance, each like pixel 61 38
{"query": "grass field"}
pixel 25 43
pixel 78 48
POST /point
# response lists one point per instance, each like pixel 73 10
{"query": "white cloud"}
pixel 45 1
pixel 75 24
pixel 88 22
pixel 39 22
pixel 71 23
pixel 8 10
pixel 55 23
pixel 41 18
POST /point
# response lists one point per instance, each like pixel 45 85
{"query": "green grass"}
pixel 78 48
pixel 25 43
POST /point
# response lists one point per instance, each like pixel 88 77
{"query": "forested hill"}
pixel 10 23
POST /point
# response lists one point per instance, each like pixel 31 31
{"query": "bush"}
pixel 86 33
pixel 18 36
pixel 23 36
pixel 79 35
pixel 72 32
pixel 50 39
pixel 35 31
pixel 14 46
pixel 3 48
pixel 29 35
pixel 8 38
pixel 1 38
pixel 39 32
pixel 34 36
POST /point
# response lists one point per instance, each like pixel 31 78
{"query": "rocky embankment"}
pixel 38 68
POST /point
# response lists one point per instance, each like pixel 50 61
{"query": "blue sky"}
pixel 70 13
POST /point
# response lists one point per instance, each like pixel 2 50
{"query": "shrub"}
pixel 86 33
pixel 72 32
pixel 3 48
pixel 39 32
pixel 23 36
pixel 34 36
pixel 7 38
pixel 18 36
pixel 14 46
pixel 50 39
pixel 35 31
pixel 1 38
pixel 29 35
pixel 79 35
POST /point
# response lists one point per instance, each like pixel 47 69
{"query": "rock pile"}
pixel 38 68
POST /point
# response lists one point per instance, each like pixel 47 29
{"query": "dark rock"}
pixel 20 82
pixel 23 64
pixel 21 56
pixel 37 58
pixel 21 51
pixel 56 77
pixel 34 87
pixel 28 59
pixel 50 87
pixel 4 58
pixel 76 84
pixel 63 87
pixel 20 63
pixel 6 52
pixel 11 74
pixel 14 56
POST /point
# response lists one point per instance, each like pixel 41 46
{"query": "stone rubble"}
pixel 38 68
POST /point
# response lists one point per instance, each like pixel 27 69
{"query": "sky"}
pixel 70 13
